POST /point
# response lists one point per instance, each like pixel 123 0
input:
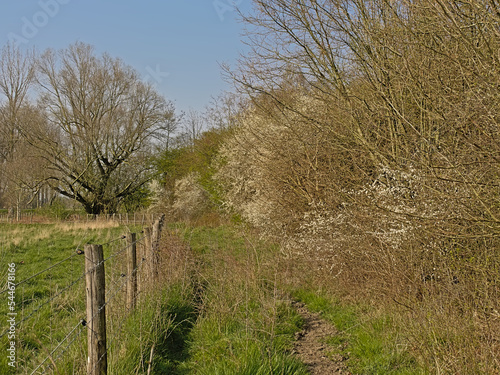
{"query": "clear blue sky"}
pixel 177 44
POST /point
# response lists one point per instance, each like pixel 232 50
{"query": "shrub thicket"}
pixel 370 149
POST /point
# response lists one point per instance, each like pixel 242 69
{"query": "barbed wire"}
pixel 45 270
pixel 114 255
pixel 50 356
pixel 82 324
pixel 71 342
pixel 122 321
pixel 44 303
pixel 124 248
pixel 77 252
pixel 66 348
pixel 70 285
pixel 116 239
pixel 116 290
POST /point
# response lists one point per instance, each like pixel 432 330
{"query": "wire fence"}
pixel 77 252
pixel 124 218
pixel 63 306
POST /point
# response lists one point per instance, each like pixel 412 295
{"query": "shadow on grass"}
pixel 172 347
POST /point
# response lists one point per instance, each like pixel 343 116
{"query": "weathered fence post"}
pixel 155 246
pixel 148 252
pixel 132 272
pixel 96 310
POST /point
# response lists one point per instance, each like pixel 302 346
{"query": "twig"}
pixel 402 304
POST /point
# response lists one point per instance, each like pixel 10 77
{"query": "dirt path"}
pixel 311 348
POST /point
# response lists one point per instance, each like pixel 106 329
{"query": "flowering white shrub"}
pixel 190 199
pixel 158 195
pixel 262 163
pixel 311 188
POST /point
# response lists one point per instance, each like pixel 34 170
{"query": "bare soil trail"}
pixel 311 347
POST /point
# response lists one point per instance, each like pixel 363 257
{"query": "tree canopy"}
pixel 94 124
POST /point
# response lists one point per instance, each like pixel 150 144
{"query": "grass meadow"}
pixel 50 304
pixel 222 305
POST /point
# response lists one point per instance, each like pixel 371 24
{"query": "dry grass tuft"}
pixel 91 225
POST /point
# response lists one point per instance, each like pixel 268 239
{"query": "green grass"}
pixel 232 345
pixel 241 328
pixel 370 342
pixel 53 302
pixel 213 318
pixel 244 329
pixel 219 314
pixel 160 325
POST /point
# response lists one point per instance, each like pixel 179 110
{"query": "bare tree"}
pixel 192 126
pixel 223 110
pixel 18 182
pixel 24 177
pixel 16 77
pixel 166 132
pixel 99 125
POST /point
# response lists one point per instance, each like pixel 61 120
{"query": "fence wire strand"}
pixel 50 356
pixel 116 290
pixel 67 346
pixel 123 249
pixel 45 270
pixel 43 304
pixel 80 327
pixel 122 321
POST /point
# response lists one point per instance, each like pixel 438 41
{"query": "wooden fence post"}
pixel 155 246
pixel 148 252
pixel 96 310
pixel 132 272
